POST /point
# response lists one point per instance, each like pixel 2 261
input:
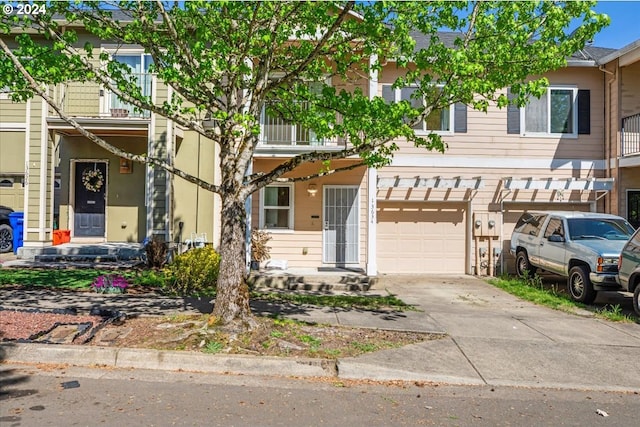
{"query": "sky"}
pixel 625 23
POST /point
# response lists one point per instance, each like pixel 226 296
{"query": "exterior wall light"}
pixel 312 190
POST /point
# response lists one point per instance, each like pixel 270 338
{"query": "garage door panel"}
pixel 421 238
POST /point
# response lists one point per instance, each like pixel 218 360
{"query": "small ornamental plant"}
pixel 110 284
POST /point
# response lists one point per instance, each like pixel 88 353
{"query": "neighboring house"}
pixel 425 213
pixel 622 140
pixel 59 179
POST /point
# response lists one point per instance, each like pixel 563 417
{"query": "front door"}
pixel 633 207
pixel 89 207
pixel 341 225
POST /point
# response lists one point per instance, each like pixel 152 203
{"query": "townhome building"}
pixel 62 180
pixel 575 148
pixel 454 212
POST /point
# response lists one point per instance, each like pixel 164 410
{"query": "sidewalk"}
pixel 492 339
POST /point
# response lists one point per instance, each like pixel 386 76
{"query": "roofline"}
pixel 618 53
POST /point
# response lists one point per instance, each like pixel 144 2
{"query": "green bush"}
pixel 194 272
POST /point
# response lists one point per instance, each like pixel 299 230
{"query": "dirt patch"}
pixel 272 337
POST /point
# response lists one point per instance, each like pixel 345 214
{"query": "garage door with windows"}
pixel 421 237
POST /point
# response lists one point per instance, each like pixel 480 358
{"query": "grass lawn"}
pixel 81 279
pixel 534 290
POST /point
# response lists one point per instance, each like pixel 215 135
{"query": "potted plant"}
pixel 259 248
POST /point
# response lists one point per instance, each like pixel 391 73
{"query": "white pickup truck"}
pixel 583 247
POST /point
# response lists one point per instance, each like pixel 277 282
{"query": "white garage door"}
pixel 421 237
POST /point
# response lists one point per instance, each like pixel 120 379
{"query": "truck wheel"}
pixel 579 285
pixel 6 238
pixel 636 299
pixel 523 264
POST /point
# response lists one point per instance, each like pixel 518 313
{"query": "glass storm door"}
pixel 90 191
pixel 340 225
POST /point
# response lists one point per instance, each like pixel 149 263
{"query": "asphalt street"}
pixel 50 395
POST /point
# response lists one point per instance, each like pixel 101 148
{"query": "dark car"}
pixel 6 233
pixel 629 269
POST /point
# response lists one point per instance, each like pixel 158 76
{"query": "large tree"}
pixel 226 61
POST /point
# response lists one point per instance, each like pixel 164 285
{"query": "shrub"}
pixel 194 272
pixel 156 251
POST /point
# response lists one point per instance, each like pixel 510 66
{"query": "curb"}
pixel 166 360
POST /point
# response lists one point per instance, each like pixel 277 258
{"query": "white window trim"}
pixel 398 95
pixel 291 208
pixel 573 135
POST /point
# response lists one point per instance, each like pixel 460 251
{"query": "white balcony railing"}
pixel 275 131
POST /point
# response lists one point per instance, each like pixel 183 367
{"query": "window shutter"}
pixel 584 111
pixel 513 115
pixel 460 118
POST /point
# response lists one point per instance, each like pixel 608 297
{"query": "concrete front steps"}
pixel 77 254
pixel 311 280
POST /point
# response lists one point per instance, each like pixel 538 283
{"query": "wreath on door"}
pixel 92 179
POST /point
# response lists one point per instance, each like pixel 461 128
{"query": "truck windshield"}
pixel 599 228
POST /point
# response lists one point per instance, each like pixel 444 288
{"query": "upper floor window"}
pixel 278 130
pixel 555 113
pixel 276 212
pixel 439 120
pixel 138 63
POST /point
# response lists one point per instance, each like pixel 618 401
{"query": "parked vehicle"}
pixel 581 246
pixel 6 232
pixel 629 269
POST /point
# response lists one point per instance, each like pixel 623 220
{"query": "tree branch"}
pixel 97 140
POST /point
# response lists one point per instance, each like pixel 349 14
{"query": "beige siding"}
pixel 194 206
pixel 487 132
pixel 12 112
pixel 630 91
pixel 302 247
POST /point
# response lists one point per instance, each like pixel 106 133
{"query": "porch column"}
pixel 372 189
pixel 38 194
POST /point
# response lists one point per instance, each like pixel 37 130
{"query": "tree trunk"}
pixel 232 299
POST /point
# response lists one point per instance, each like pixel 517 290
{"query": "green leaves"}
pixel 306 62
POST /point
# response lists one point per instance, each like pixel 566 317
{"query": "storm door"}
pixel 340 225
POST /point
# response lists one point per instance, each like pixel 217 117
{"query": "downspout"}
pixel 608 133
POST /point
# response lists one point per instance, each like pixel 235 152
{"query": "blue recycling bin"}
pixel 16 219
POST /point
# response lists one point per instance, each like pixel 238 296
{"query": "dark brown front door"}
pixel 633 208
pixel 90 190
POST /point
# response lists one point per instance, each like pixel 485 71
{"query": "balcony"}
pixel 89 100
pixel 630 139
pixel 278 135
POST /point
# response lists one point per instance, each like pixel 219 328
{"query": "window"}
pixel 277 207
pixel 138 64
pixel 530 223
pixel 438 120
pixel 277 130
pixel 554 228
pixel 555 113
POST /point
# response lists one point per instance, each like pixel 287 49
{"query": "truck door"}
pixel 552 249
